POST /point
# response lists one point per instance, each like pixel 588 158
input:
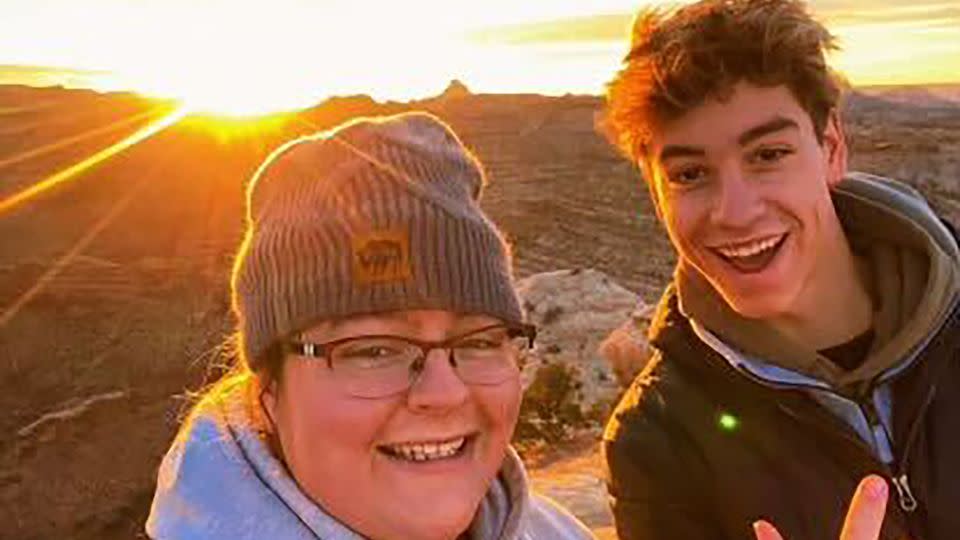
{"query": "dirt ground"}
pixel 113 284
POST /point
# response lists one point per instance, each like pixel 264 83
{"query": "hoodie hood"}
pixel 220 480
pixel 911 263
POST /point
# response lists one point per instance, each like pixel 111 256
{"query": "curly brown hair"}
pixel 680 57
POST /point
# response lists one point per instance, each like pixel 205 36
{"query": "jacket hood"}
pixel 900 202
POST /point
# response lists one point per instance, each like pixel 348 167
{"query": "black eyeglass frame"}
pixel 322 350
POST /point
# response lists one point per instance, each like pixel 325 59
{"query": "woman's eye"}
pixel 370 352
pixel 368 357
pixel 479 344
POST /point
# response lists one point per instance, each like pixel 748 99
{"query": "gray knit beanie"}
pixel 379 214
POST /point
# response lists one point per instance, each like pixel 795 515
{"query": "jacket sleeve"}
pixel 656 478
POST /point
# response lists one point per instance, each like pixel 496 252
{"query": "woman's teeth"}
pixel 750 249
pixel 426 451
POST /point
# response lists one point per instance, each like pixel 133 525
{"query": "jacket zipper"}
pixel 897 473
pixel 908 503
pixel 902 481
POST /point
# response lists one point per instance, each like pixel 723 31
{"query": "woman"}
pixel 378 385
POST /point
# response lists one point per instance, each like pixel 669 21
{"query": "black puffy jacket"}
pixel 697 449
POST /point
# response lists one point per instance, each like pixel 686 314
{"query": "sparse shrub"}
pixel 551 314
pixel 550 412
pixel 600 411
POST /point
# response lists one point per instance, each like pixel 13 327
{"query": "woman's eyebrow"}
pixel 400 323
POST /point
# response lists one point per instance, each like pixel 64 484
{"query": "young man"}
pixel 811 334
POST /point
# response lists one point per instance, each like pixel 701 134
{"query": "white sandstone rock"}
pixel 575 310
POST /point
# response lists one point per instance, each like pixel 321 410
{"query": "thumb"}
pixel 869 505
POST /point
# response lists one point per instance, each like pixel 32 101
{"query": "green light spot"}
pixel 729 422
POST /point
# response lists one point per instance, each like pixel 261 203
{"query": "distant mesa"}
pixel 336 109
pixel 356 102
pixel 456 90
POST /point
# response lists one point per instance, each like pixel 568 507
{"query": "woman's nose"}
pixel 437 386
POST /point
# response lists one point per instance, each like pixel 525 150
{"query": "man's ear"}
pixel 835 149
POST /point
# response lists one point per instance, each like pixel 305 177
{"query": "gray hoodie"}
pixel 220 480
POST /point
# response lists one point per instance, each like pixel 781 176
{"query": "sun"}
pixel 232 59
pixel 244 59
pixel 218 91
pixel 243 101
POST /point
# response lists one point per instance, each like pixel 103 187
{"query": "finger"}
pixel 869 505
pixel 765 531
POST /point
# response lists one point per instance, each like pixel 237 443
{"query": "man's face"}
pixel 743 188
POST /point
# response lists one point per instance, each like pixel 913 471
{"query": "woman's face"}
pixel 382 465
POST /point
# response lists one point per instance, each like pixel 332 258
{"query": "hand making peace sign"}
pixel 864 519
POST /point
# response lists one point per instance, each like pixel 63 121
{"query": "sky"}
pixel 279 54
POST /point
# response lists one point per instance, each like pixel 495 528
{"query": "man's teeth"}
pixel 427 451
pixel 749 250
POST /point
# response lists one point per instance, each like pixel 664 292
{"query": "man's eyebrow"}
pixel 675 151
pixel 771 126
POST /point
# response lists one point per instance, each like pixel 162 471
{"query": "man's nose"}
pixel 737 201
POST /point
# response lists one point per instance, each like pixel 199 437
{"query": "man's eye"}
pixel 768 155
pixel 688 175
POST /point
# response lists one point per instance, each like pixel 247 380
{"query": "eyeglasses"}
pixel 382 365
